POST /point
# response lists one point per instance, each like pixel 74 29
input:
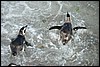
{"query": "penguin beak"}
pixel 67 18
pixel 26 26
pixel 68 14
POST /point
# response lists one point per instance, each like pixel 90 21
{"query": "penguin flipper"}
pixel 55 27
pixel 28 44
pixel 76 28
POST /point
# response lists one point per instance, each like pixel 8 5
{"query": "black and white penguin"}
pixel 66 29
pixel 19 42
pixel 13 64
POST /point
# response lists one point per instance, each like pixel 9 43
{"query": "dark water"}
pixel 47 50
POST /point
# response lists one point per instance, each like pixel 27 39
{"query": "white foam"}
pixel 53 35
pixel 32 30
pixel 40 36
pixel 65 51
pixel 3 30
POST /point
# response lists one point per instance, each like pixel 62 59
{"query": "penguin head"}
pixel 68 18
pixel 68 14
pixel 13 64
pixel 23 30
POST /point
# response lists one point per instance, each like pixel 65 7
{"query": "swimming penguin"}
pixel 13 64
pixel 66 29
pixel 19 42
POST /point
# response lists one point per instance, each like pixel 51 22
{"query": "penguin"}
pixel 18 43
pixel 66 29
pixel 13 64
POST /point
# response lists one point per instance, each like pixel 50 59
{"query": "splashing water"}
pixel 47 50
